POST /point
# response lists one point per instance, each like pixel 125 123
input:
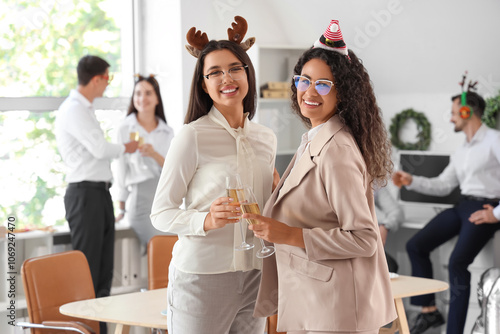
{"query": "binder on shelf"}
pixel 273 85
pixel 275 94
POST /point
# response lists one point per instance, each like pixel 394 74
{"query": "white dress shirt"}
pixel 306 141
pixel 130 168
pixel 200 157
pixel 475 166
pixel 81 141
pixel 389 212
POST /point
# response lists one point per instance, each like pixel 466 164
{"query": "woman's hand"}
pixel 222 212
pixel 275 231
pixel 147 150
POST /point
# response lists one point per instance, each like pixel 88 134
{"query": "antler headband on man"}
pixel 470 87
pixel 198 40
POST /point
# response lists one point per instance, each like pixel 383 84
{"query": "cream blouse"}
pixel 199 159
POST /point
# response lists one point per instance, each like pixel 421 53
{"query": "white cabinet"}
pixel 276 63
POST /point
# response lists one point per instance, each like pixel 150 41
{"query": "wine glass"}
pixel 235 191
pixel 135 136
pixel 250 205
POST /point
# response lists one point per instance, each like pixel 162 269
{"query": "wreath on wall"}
pixel 423 126
pixel 491 111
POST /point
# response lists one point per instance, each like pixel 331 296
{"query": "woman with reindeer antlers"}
pixel 213 287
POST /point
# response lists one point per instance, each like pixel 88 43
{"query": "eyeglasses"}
pixel 236 73
pixel 302 83
pixel 107 77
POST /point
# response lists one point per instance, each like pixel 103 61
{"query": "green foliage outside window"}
pixel 40 45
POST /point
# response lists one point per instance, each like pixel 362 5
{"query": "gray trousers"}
pixel 213 303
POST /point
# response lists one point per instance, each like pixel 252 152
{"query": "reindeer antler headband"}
pixel 471 86
pixel 198 40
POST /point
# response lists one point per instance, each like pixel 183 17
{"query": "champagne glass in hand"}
pixel 250 205
pixel 135 136
pixel 235 191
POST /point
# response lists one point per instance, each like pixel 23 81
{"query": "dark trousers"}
pixel 89 212
pixel 471 239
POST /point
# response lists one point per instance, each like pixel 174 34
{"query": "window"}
pixel 41 42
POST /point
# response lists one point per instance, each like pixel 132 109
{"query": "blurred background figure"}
pixel 138 173
pixel 389 215
pixel 87 153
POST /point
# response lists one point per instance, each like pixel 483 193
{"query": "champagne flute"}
pixel 235 191
pixel 135 136
pixel 250 205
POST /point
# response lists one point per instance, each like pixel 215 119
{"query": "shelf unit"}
pixel 276 63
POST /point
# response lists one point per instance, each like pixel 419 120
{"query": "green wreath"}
pixel 423 126
pixel 491 111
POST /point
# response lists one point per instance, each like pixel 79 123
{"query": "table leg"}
pixel 122 329
pixel 402 320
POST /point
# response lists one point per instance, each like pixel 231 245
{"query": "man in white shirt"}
pixel 475 167
pixel 87 153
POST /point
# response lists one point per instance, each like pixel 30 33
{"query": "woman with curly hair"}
pixel 329 273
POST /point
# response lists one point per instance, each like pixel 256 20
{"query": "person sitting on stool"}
pixel 475 167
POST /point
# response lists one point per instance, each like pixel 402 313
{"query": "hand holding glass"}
pixel 235 191
pixel 250 205
pixel 135 136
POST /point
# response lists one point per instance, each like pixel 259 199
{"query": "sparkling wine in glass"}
pixel 250 205
pixel 235 191
pixel 135 136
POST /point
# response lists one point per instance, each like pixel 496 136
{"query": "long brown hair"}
pixel 357 108
pixel 159 112
pixel 200 102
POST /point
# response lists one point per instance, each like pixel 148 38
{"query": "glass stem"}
pixel 242 232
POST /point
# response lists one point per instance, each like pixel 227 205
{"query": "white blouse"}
pixel 201 156
pixel 134 168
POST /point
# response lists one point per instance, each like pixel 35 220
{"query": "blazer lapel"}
pixel 294 176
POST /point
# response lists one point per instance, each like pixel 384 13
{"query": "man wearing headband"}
pixel 475 167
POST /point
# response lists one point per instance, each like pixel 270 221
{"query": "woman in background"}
pixel 138 173
pixel 329 274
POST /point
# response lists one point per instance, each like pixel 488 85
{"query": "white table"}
pixel 131 309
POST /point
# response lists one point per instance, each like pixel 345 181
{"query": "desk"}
pixel 408 286
pixel 131 309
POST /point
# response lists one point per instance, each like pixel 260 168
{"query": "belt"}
pixel 90 184
pixel 480 199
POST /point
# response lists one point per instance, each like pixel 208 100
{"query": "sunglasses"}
pixel 302 83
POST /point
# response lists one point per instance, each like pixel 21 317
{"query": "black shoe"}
pixel 427 320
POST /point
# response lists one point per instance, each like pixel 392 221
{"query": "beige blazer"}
pixel 340 281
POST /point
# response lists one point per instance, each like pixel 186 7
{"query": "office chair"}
pixel 51 281
pixel 159 255
pixel 272 322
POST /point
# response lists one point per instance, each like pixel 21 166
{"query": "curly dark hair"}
pixel 357 108
pixel 200 102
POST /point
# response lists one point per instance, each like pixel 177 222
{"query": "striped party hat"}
pixel 332 39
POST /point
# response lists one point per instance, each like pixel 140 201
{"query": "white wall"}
pixel 415 51
pixel 159 53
